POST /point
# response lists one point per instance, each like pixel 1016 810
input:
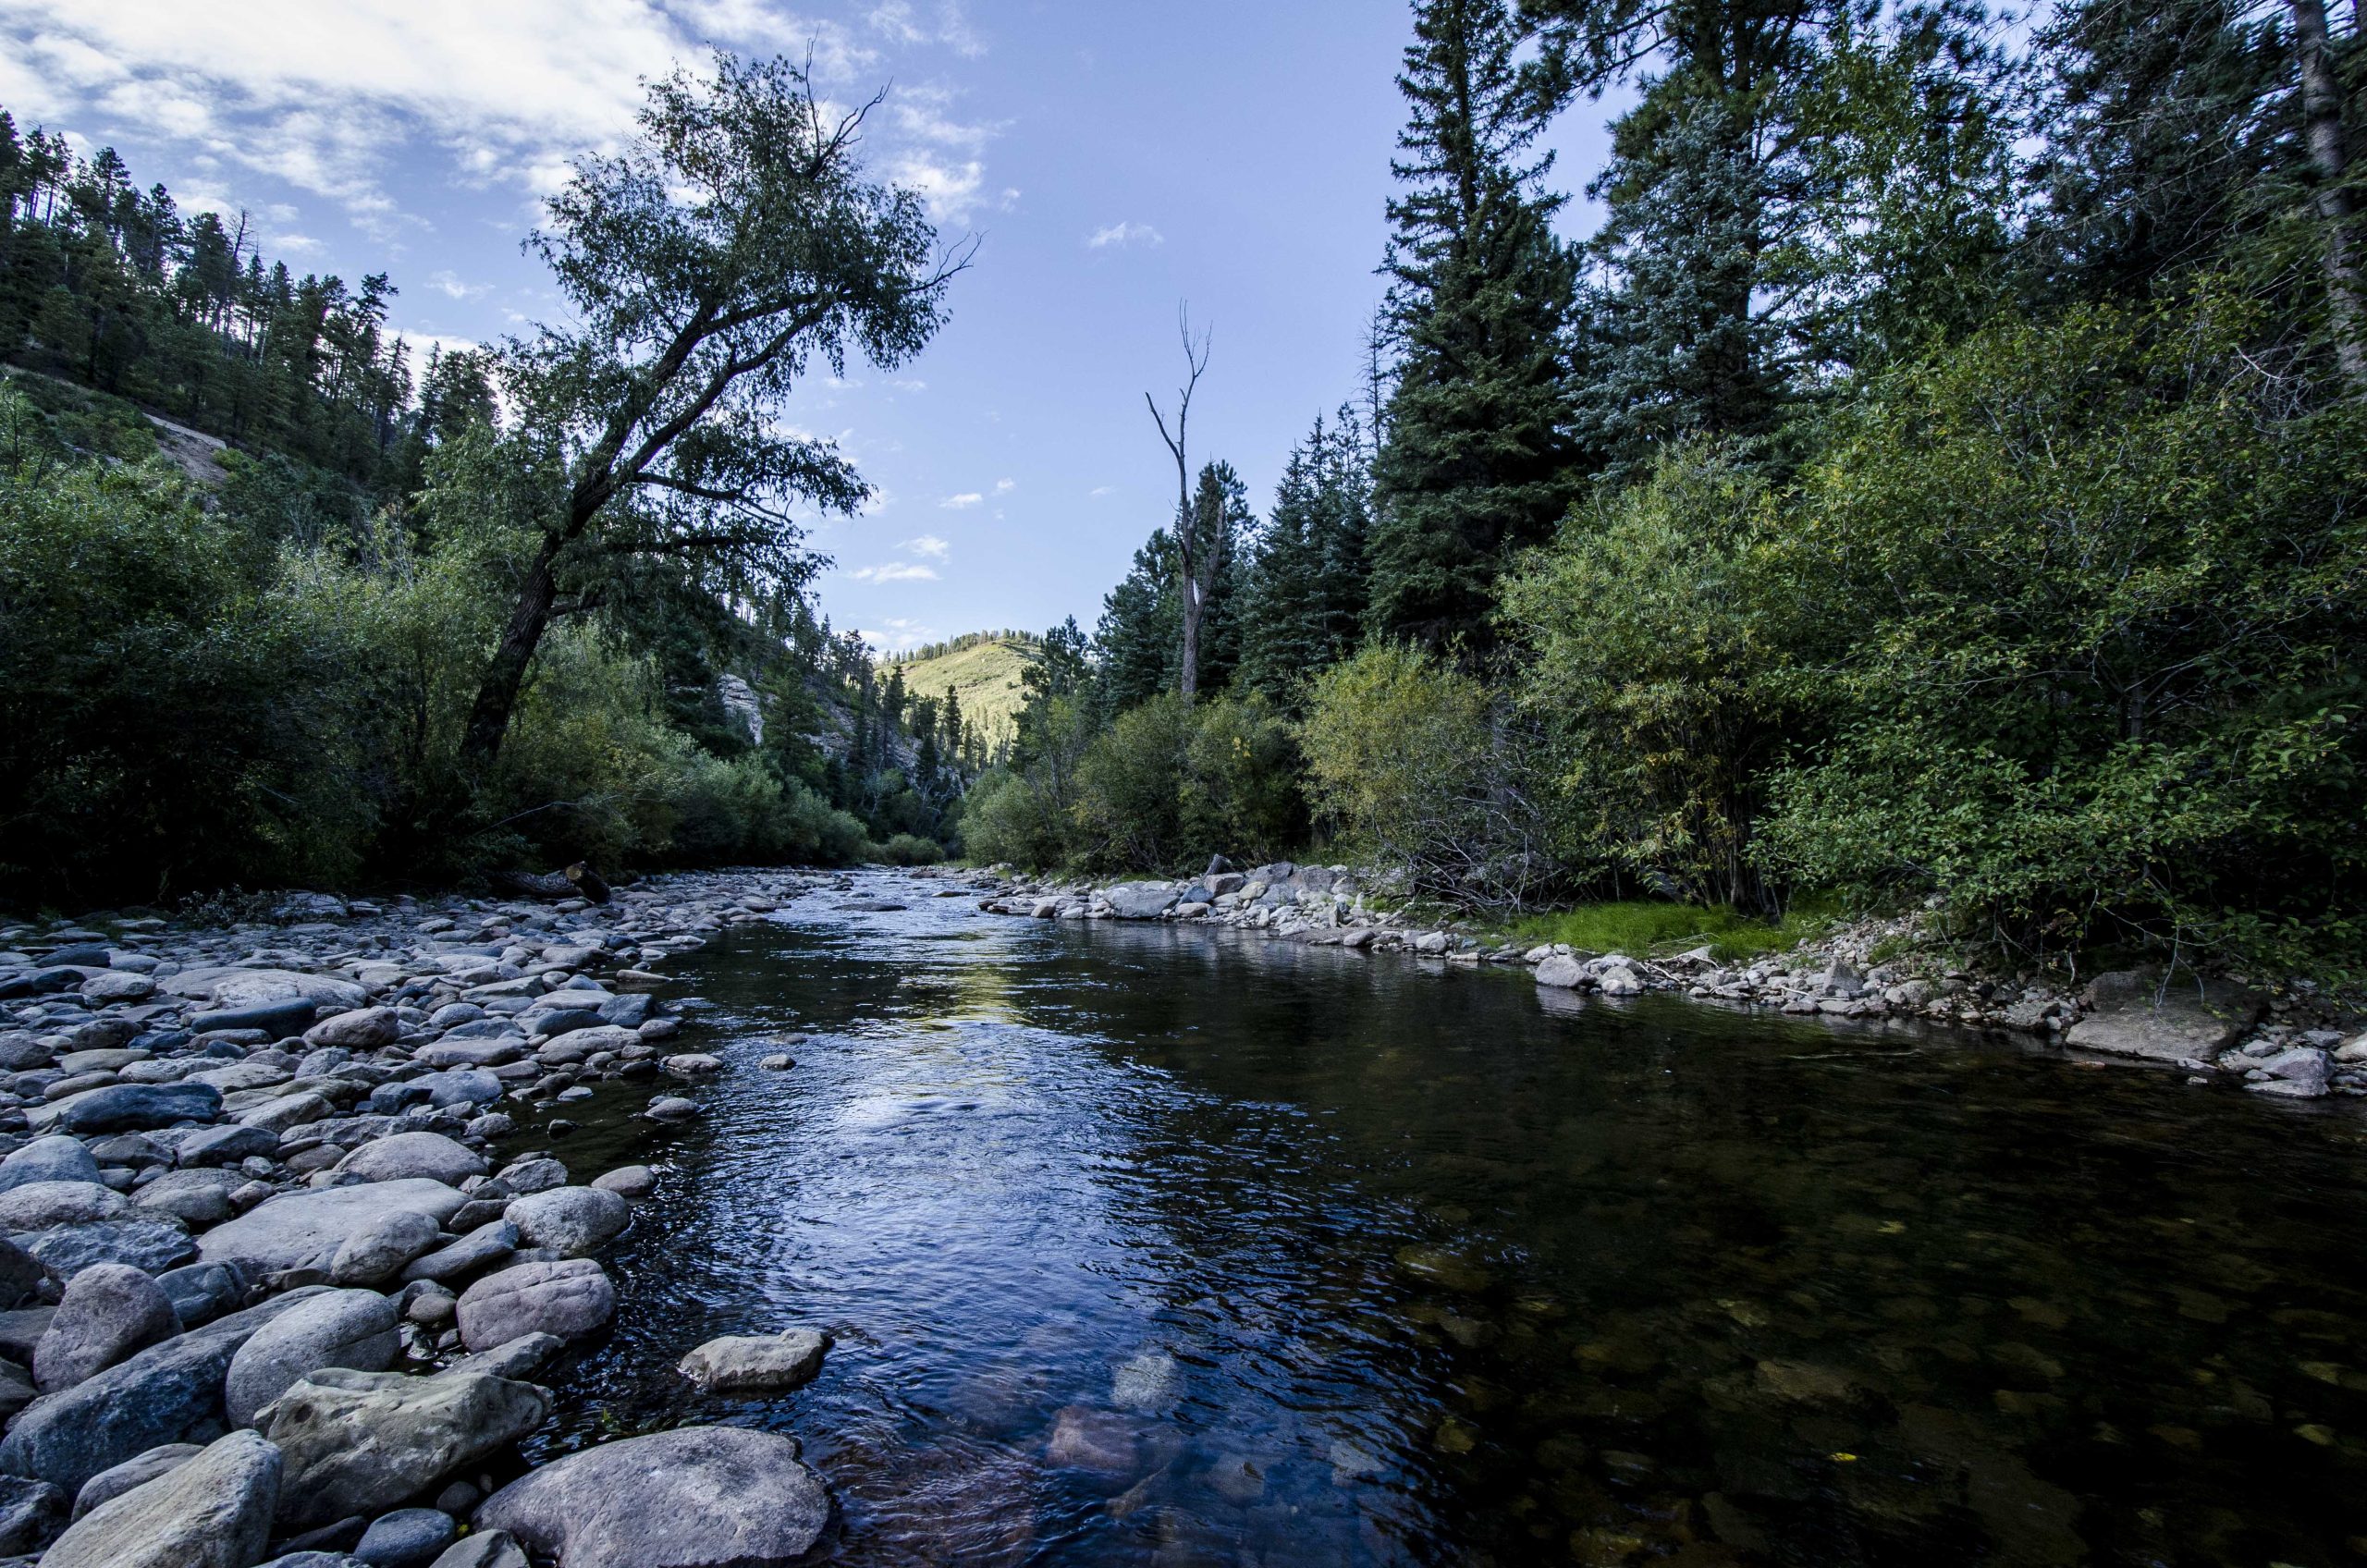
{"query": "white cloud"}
pixel 449 283
pixel 1125 234
pixel 896 632
pixel 1005 486
pixel 909 384
pixel 962 502
pixel 895 571
pixel 927 545
pixel 1103 490
pixel 509 91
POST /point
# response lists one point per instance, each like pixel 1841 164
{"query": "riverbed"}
pixel 1155 1244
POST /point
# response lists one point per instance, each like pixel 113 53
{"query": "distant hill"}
pixel 981 668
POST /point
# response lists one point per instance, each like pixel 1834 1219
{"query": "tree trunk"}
pixel 1191 679
pixel 506 676
pixel 2322 113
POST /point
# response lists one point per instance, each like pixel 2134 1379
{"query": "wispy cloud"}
pixel 450 284
pixel 895 571
pixel 896 632
pixel 1103 490
pixel 1005 486
pixel 927 545
pixel 962 502
pixel 1125 234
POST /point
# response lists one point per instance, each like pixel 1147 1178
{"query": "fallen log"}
pixel 578 881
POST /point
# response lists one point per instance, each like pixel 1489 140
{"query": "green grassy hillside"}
pixel 984 675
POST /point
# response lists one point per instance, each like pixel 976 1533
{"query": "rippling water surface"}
pixel 1153 1246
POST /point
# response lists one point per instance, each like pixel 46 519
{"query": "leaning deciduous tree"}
pixel 732 245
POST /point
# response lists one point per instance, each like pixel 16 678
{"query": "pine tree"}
pixel 1479 457
pixel 1303 598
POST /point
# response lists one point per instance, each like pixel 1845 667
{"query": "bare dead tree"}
pixel 2322 113
pixel 1194 566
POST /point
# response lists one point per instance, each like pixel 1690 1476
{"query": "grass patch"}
pixel 1646 926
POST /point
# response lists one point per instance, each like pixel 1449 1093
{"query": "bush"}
pixel 1172 782
pixel 1422 767
pixel 1658 643
pixel 909 849
pixel 2111 569
pixel 1007 816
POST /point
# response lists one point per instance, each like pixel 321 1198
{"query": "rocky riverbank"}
pixel 2288 1041
pixel 277 1277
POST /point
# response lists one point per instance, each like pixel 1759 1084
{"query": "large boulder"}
pixel 573 1220
pixel 2136 1012
pixel 1141 900
pixel 411 1155
pixel 212 1511
pixel 363 1442
pixel 37 1206
pixel 56 1157
pixel 756 1363
pixel 168 1393
pixel 697 1497
pixel 363 1029
pixel 129 1108
pixel 110 1312
pixel 1562 972
pixel 376 1253
pixel 482 1247
pixel 349 1329
pixel 20 1274
pixel 569 1297
pixel 238 986
pixel 31 1513
pixel 298 1229
pixel 110 1485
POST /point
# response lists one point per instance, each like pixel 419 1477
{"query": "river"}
pixel 1159 1244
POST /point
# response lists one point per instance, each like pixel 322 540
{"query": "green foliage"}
pixel 1656 645
pixel 2111 572
pixel 1419 765
pixel 1172 782
pixel 909 849
pixel 1304 596
pixel 1643 927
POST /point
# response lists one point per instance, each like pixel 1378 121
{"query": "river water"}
pixel 1148 1244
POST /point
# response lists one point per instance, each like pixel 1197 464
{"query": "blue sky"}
pixel 1114 159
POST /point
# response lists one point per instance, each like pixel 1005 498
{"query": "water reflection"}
pixel 1147 1244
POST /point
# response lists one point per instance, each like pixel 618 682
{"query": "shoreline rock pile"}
pixel 2291 1045
pixel 268 1292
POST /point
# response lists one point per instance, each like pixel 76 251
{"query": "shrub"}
pixel 1171 782
pixel 909 849
pixel 2112 570
pixel 1007 816
pixel 1421 766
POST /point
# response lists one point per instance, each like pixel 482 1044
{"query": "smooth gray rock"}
pixel 697 1497
pixel 411 1155
pixel 363 1029
pixel 197 1198
pixel 536 1175
pixel 110 1485
pixel 237 986
pixel 573 1220
pixel 363 1442
pixel 409 1537
pixel 628 1180
pixel 448 1052
pixel 481 1248
pixel 377 1252
pixel 212 1511
pixel 37 1206
pixel 1561 971
pixel 168 1393
pixel 132 1108
pixel 349 1329
pixel 487 1549
pixel 31 1512
pixel 756 1363
pixel 1140 900
pixel 57 1158
pixel 519 1358
pixel 460 1086
pixel 567 1297
pixel 2133 1012
pixel 204 1291
pixel 298 1229
pixel 110 1313
pixel 20 1274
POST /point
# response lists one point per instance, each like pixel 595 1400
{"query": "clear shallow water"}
pixel 1145 1244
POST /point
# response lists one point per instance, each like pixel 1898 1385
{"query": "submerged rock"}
pixel 753 1364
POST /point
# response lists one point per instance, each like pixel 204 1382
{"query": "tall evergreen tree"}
pixel 1139 645
pixel 1479 456
pixel 1303 597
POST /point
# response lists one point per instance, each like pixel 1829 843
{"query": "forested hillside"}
pixel 1937 481
pixel 536 603
pixel 977 676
